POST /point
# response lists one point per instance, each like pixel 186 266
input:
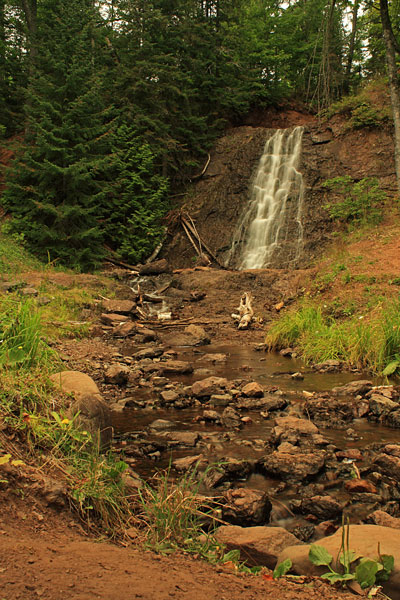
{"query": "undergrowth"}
pixel 369 341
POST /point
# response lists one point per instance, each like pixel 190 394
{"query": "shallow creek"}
pixel 270 370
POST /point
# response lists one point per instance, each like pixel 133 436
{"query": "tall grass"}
pixel 371 342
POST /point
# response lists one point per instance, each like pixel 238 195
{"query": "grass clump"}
pixel 370 342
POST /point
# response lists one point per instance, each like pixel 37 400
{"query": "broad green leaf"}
pixel 318 555
pixel 282 568
pixel 366 572
pixel 334 577
pixel 391 368
pixel 347 557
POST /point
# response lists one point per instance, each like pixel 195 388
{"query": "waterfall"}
pixel 270 231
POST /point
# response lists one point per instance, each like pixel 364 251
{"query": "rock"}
pixel 76 383
pixel 253 390
pixel 145 334
pixel 184 438
pixel 124 329
pixel 155 268
pixel 112 320
pixel 153 352
pixel 354 388
pixel 209 386
pixel 380 517
pixel 292 467
pixel 257 545
pixel 92 414
pixel 388 465
pixel 364 540
pixel 251 403
pixel 117 374
pixel 324 529
pixel 322 507
pixel 169 396
pixel 178 367
pixel 53 492
pixel 351 453
pixel 392 449
pixel 380 405
pixel 232 469
pixel 160 424
pixel 302 426
pixel 245 507
pixel 356 486
pixel 123 307
pixel 297 376
pixel 189 462
pixel 220 399
pixel 230 418
pixel 329 366
pixel 215 358
pixel 272 402
pixel 211 416
pixel 329 410
pixel 288 352
pixel 198 334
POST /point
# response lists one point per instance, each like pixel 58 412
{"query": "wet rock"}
pixel 302 426
pixel 117 374
pixel 160 424
pixel 230 418
pixel 388 465
pixel 297 376
pixel 288 352
pixel 324 529
pixel 169 396
pixel 123 307
pixel 303 532
pixel 211 416
pixel 220 400
pixel 393 419
pixel 169 367
pixel 364 540
pixel 215 358
pixel 112 320
pixel 322 507
pixel 198 334
pixel 155 268
pixel 251 404
pixel 232 469
pixel 253 390
pixel 292 467
pixel 380 517
pixel 328 410
pixel 354 388
pixel 209 386
pixel 351 454
pixel 184 438
pixel 273 402
pixel 153 352
pixel 258 545
pixel 381 406
pixel 246 507
pixel 144 334
pixel 392 449
pixel 190 462
pixel 356 486
pixel 329 366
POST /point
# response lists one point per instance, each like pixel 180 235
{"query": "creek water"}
pixel 270 370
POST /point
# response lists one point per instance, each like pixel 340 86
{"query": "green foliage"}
pixel 283 568
pixel 366 573
pixel 22 345
pixel 370 343
pixel 362 200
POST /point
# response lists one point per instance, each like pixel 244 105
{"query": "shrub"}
pixel 361 202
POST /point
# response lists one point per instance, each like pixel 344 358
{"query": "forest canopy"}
pixel 111 106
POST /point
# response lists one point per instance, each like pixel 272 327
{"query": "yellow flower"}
pixel 19 347
pixel 65 421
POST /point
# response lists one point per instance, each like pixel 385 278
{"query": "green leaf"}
pixel 334 577
pixel 391 368
pixel 366 572
pixel 347 557
pixel 282 568
pixel 318 555
pixel 4 460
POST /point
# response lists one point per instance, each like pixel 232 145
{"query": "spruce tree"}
pixel 54 189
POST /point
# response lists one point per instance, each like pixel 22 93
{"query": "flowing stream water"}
pixel 270 231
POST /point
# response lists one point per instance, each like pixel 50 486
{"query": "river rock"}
pixel 253 390
pixel 112 320
pixel 292 466
pixel 392 449
pixel 187 463
pixel 160 424
pixel 171 367
pixel 232 469
pixel 117 374
pixel 302 426
pixel 380 517
pixel 393 419
pixel 152 352
pixel 364 540
pixel 245 507
pixel 357 486
pixel 215 358
pixel 124 330
pixel 329 366
pixel 230 418
pixel 209 386
pixel 198 334
pixel 380 405
pixel 184 438
pixel 211 416
pixel 258 545
pixel 123 307
pixel 329 410
pixel 388 465
pixel 76 383
pixel 354 388
pixel 169 396
pixel 92 414
pixel 322 507
pixel 155 268
pixel 273 402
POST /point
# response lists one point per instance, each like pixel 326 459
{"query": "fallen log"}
pixel 245 314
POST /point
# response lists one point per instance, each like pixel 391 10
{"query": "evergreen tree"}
pixel 54 189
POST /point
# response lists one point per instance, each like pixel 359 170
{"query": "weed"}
pixel 361 202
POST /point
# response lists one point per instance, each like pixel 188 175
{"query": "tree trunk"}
pixel 30 11
pixel 350 56
pixel 391 46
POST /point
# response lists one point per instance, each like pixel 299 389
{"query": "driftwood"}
pixel 204 170
pixel 245 311
pixel 198 244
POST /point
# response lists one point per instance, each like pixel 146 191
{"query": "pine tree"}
pixel 54 189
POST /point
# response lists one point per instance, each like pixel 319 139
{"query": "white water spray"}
pixel 270 231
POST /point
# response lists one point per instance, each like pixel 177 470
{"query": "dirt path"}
pixel 44 556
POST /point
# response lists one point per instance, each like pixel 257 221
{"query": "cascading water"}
pixel 270 232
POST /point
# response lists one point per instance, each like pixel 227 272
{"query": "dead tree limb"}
pixel 245 311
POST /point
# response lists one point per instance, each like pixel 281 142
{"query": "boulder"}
pixel 198 334
pixel 302 426
pixel 92 414
pixel 364 540
pixel 258 545
pixel 388 465
pixel 155 268
pixel 113 319
pixel 292 466
pixel 230 418
pixel 124 330
pixel 123 307
pixel 322 507
pixel 76 383
pixel 354 388
pixel 209 386
pixel 184 438
pixel 357 486
pixel 380 517
pixel 190 462
pixel 245 507
pixel 160 424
